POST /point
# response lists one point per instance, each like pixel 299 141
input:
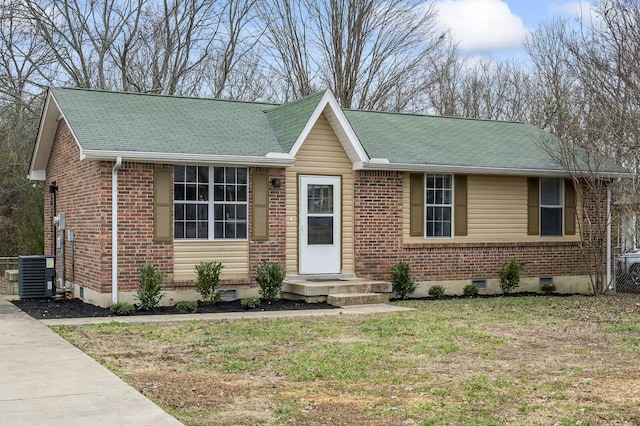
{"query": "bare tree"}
pixel 21 60
pixel 367 51
pixel 587 81
pixel 82 35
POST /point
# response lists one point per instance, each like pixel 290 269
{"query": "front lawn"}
pixel 515 360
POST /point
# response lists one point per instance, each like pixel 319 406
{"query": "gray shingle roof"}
pixel 133 122
pixel 411 139
pixel 167 124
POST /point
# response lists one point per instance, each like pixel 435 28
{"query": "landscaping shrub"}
pixel 548 288
pixel 436 291
pixel 509 275
pixel 208 281
pixel 148 292
pixel 187 307
pixel 122 308
pixel 270 276
pixel 402 283
pixel 470 290
pixel 250 302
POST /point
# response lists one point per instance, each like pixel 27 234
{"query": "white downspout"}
pixel 114 230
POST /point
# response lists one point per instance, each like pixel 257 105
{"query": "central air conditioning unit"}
pixel 37 275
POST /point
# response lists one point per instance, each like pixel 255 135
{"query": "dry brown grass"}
pixel 542 360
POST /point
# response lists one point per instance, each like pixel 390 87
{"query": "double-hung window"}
pixel 551 207
pixel 439 205
pixel 210 202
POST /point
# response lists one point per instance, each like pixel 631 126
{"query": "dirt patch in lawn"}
pixel 539 360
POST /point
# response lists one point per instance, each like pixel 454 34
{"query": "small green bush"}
pixel 122 308
pixel 470 290
pixel 250 302
pixel 402 283
pixel 187 307
pixel 548 288
pixel 270 276
pixel 509 275
pixel 436 291
pixel 208 281
pixel 148 292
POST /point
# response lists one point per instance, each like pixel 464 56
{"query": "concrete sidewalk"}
pixel 44 380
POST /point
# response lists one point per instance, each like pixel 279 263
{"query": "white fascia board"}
pixel 51 116
pixel 434 168
pixel 178 158
pixel 330 100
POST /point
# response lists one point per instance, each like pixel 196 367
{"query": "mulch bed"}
pixel 76 308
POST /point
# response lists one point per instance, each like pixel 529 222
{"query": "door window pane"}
pixel 320 230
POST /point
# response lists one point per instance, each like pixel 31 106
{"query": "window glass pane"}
pixel 178 228
pixel 241 212
pixel 550 192
pixel 178 211
pixel 550 221
pixel 190 230
pixel 191 211
pixel 430 181
pixel 203 174
pixel 203 192
pixel 218 230
pixel 230 230
pixel 218 175
pixel 203 212
pixel 241 230
pixel 242 193
pixel 230 193
pixel 178 192
pixel 218 193
pixel 242 176
pixel 191 192
pixel 446 197
pixel 191 174
pixel 230 175
pixel 320 230
pixel 218 211
pixel 178 173
pixel 203 230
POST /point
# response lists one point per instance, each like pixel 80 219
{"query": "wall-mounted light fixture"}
pixel 53 188
pixel 275 183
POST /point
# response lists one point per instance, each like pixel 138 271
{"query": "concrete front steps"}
pixel 336 290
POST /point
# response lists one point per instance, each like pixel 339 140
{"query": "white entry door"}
pixel 319 225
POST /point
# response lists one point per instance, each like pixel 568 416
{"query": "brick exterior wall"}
pixel 135 226
pixel 79 196
pixel 84 195
pixel 378 235
pixel 274 248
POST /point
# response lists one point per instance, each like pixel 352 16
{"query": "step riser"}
pixel 318 289
pixel 357 299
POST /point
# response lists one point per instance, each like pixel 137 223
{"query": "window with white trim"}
pixel 551 207
pixel 210 202
pixel 439 205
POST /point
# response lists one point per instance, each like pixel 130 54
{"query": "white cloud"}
pixel 481 25
pixel 573 9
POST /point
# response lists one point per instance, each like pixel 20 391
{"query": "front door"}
pixel 319 230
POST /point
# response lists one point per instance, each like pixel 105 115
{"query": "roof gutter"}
pixel 271 159
pixel 114 230
pixel 381 164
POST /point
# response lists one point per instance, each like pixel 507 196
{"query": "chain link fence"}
pixel 8 263
pixel 626 278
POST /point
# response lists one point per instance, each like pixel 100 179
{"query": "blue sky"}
pixel 497 28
